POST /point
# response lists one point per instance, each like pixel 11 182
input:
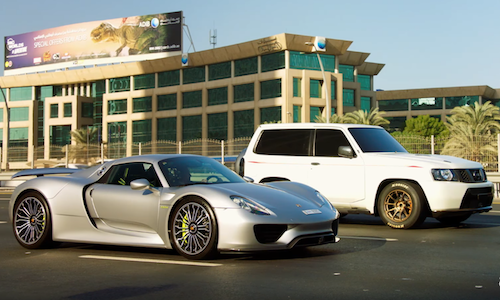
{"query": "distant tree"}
pixel 425 125
pixel 373 117
pixel 333 119
pixel 85 135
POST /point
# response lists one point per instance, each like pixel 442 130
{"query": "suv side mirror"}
pixel 346 151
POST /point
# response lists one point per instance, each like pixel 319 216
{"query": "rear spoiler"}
pixel 44 171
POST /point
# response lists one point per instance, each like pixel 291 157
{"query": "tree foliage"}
pixel 425 125
pixel 373 117
pixel 333 119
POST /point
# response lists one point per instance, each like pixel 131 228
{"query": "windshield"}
pixel 375 140
pixel 188 170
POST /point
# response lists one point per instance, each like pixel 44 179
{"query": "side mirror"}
pixel 142 185
pixel 346 151
pixel 248 179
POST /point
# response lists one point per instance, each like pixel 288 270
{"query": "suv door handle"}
pixel 315 163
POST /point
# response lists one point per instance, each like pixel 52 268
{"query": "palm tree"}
pixel 84 135
pixel 84 139
pixel 373 117
pixel 472 130
pixel 333 119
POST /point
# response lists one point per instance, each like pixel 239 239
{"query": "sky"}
pixel 423 44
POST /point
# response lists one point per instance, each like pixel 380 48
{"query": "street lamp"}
pixel 328 110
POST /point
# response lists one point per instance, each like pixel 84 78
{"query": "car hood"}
pixel 421 160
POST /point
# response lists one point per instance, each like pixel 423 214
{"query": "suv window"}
pixel 294 142
pixel 328 142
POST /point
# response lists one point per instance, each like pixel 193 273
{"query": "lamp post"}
pixel 328 110
pixel 8 132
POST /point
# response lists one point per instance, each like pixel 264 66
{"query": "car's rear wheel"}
pixel 454 220
pixel 193 229
pixel 32 221
pixel 401 205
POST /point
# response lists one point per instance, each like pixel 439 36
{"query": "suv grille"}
pixel 477 198
pixel 471 175
pixel 269 233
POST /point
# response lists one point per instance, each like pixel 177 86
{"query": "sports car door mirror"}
pixel 248 179
pixel 346 151
pixel 141 185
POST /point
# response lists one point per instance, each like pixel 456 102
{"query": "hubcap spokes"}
pixel 29 220
pixel 398 205
pixel 192 228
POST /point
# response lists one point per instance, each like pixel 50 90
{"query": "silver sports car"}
pixel 190 203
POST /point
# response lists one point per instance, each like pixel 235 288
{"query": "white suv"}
pixel 363 169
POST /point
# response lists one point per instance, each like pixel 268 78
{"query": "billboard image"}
pixel 98 42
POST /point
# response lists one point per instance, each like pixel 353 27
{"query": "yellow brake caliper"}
pixel 185 229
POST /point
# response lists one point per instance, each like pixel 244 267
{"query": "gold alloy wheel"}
pixel 398 205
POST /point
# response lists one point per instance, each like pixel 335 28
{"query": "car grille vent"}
pixel 269 233
pixel 471 175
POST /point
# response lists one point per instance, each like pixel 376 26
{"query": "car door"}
pixel 113 202
pixel 340 179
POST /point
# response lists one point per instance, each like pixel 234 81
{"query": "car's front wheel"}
pixel 401 205
pixel 32 221
pixel 193 229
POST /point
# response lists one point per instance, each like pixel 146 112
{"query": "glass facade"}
pixel 217 126
pixel 68 110
pixel 121 84
pixel 60 135
pixel 117 107
pixel 191 128
pixel 365 82
pixel 1 115
pixel 270 115
pixel 193 75
pixel 142 104
pixel 309 61
pixel 451 102
pixel 246 66
pixel 141 131
pixel 244 92
pixel 314 111
pixel 219 71
pixel 87 110
pixel 117 132
pixel 145 81
pixel 167 102
pixel 19 114
pixel 21 93
pixel 217 96
pixel 348 97
pixel 297 87
pixel 366 103
pixel 169 78
pixel 315 88
pixel 397 123
pixel 347 72
pixel 167 129
pixel 270 89
pixel 243 123
pixel 297 114
pixel 393 105
pixel 191 99
pixel 3 94
pixel 271 62
pixel 426 103
pixel 54 110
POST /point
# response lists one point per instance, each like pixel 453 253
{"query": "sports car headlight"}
pixel 444 175
pixel 250 206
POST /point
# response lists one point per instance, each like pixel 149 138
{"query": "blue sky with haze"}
pixel 440 43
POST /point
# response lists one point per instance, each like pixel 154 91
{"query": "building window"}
pixel 191 128
pixel 116 107
pixel 145 81
pixel 219 71
pixel 191 99
pixel 167 102
pixel 243 123
pixel 270 115
pixel 169 78
pixel 333 90
pixel 297 114
pixel 270 89
pixel 3 94
pixel 117 139
pixel 60 135
pixel 193 75
pixel 68 110
pixel 20 114
pixel 54 110
pixel 217 96
pixel 366 103
pixel 143 104
pixel 314 111
pixel 87 110
pixel 348 97
pixel 393 105
pixel 397 123
pixel 141 131
pixel 297 87
pixel 315 88
pixel 1 117
pixel 365 81
pixel 274 61
pixel 451 102
pixel 167 129
pixel 58 89
pixel 309 61
pixel 217 126
pixel 244 92
pixel 347 72
pixel 426 103
pixel 21 93
pixel 121 84
pixel 246 66
pixel 42 92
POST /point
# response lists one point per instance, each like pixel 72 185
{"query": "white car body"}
pixel 354 184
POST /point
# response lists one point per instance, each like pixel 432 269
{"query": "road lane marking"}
pixel 3 222
pixel 368 238
pixel 155 261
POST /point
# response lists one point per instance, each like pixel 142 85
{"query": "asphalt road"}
pixel 372 261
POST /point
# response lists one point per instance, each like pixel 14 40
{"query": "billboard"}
pixel 98 42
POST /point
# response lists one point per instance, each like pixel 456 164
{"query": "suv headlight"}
pixel 250 206
pixel 444 175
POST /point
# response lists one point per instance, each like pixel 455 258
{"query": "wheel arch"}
pixel 386 182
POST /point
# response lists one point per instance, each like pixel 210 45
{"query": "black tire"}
pixel 401 205
pixel 32 221
pixel 193 220
pixel 454 220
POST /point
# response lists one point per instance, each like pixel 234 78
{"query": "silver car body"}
pixel 85 210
